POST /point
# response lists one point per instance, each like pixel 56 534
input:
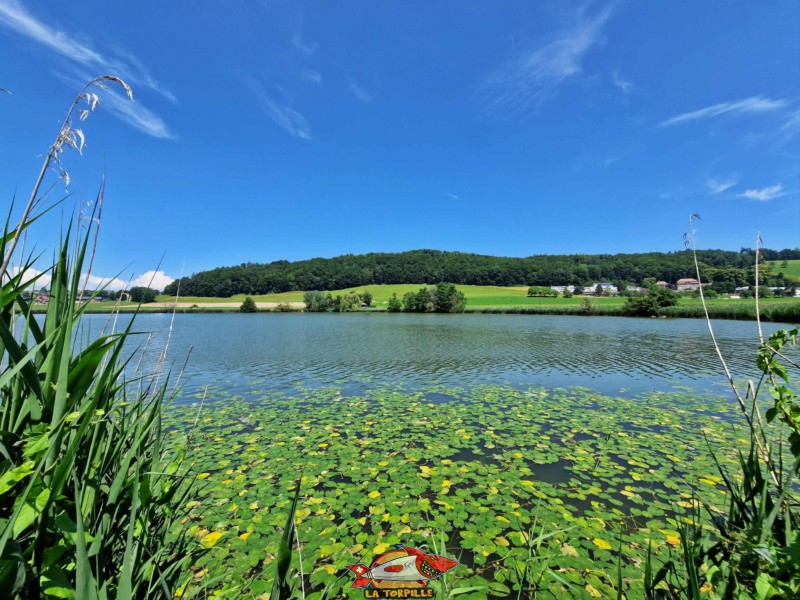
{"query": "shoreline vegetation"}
pixel 480 300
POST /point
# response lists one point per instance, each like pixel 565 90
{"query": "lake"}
pixel 613 355
pixel 466 435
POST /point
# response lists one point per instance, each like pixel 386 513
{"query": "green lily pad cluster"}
pixel 556 491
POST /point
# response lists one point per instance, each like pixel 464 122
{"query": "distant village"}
pixel 687 284
pixel 43 297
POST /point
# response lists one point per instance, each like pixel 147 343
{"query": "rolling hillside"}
pixel 791 272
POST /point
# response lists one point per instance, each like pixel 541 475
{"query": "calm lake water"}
pixel 278 353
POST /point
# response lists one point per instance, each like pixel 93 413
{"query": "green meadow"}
pixel 791 271
pixel 284 297
pixel 477 297
pixel 482 299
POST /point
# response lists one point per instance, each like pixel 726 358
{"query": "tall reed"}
pixel 751 550
pixel 89 498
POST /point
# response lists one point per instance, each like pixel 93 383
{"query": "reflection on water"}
pixel 271 353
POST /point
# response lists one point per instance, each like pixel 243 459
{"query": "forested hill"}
pixel 433 266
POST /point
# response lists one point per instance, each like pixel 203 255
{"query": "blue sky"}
pixel 288 130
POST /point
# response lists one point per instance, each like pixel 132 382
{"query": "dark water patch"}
pixel 438 398
pixel 553 473
pixel 339 479
pixel 658 429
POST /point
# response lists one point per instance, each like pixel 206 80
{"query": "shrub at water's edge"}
pixel 441 298
pixel 651 303
pixel 248 306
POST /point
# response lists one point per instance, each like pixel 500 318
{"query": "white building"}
pixel 609 289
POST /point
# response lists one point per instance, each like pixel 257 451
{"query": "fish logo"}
pixel 403 567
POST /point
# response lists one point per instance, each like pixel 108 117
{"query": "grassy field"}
pixel 791 271
pixel 482 299
pixel 284 297
pixel 478 297
pixel 476 294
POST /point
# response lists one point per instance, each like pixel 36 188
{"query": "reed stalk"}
pixel 90 497
pixel 750 551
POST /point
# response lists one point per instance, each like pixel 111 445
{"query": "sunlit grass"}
pixel 791 271
pixel 477 296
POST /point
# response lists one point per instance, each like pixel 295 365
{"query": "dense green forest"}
pixel 727 268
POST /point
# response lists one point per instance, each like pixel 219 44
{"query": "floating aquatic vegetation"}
pixel 544 489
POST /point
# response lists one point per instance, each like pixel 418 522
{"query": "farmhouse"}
pixel 687 284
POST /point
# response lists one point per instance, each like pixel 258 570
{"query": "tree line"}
pixel 434 266
pixel 439 298
pixel 135 294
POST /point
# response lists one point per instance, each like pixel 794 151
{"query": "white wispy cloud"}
pixel 287 117
pixel 754 104
pixel 766 193
pixel 716 186
pixel 453 196
pixel 532 78
pixel 120 106
pixel 139 74
pixel 360 92
pixel 792 124
pixel 614 158
pixel 136 115
pixel 14 16
pixel 623 84
pixel 301 44
pixel 313 76
pixel 281 112
pixel 78 52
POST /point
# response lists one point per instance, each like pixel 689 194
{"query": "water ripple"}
pixel 276 352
